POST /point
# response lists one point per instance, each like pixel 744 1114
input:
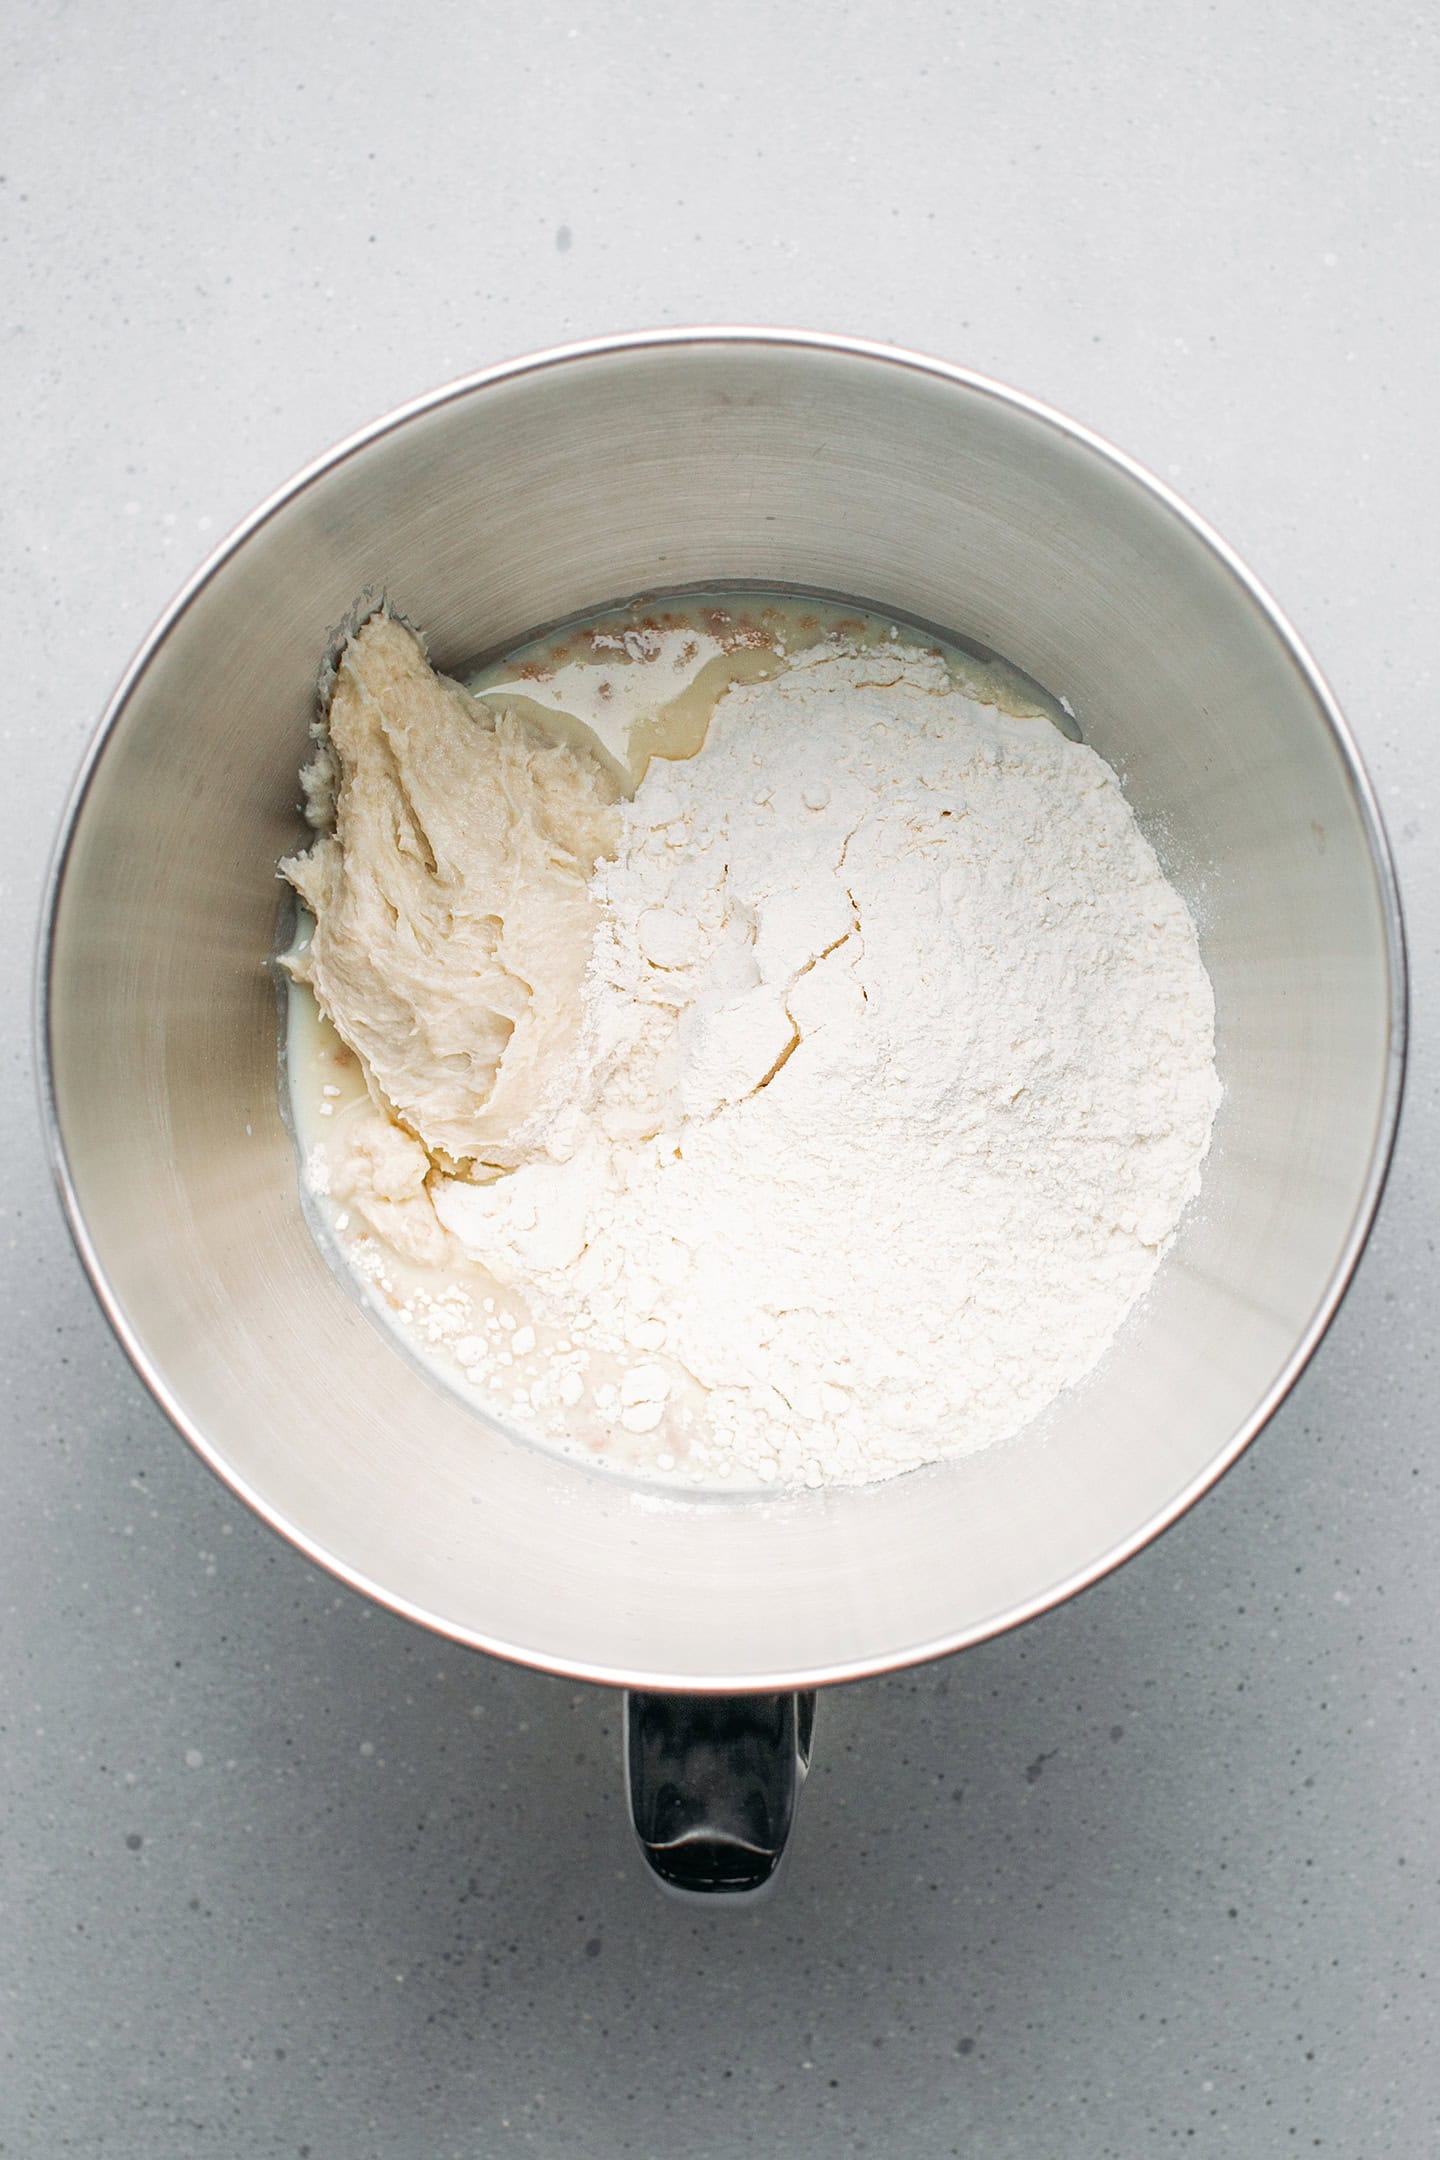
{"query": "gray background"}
pixel 283 1877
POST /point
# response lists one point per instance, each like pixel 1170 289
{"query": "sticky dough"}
pixel 449 888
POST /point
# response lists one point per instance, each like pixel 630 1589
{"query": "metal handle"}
pixel 714 1781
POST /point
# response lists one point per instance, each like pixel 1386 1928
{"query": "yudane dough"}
pixel 453 919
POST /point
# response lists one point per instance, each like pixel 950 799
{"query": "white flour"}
pixel 895 1076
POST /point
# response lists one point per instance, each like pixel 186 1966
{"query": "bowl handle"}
pixel 714 1781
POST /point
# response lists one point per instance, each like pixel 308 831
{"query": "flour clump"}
pixel 882 1081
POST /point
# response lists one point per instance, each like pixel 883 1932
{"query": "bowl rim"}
pixel 974 384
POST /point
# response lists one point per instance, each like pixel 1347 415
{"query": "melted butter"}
pixel 643 681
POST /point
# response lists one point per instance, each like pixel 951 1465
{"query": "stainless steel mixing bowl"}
pixel 554 485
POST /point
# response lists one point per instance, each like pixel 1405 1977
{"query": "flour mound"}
pixel 893 1075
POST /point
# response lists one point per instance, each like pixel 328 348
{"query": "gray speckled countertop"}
pixel 282 1876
